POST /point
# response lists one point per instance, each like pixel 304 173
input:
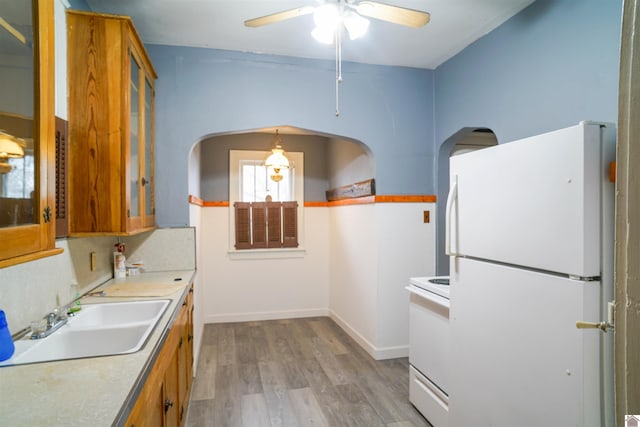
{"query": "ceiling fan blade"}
pixel 279 16
pixel 394 14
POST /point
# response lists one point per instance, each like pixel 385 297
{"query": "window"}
pixel 266 214
pixel 256 186
pixel 16 183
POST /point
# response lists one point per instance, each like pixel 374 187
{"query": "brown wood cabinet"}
pixel 29 231
pixel 164 398
pixel 111 126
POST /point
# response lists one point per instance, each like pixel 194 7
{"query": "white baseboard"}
pixel 265 315
pixel 376 352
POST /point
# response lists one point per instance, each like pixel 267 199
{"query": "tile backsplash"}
pixel 165 249
pixel 30 290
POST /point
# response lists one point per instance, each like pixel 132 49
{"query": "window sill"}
pixel 266 253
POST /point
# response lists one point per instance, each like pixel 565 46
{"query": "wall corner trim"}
pixel 320 204
pixel 194 200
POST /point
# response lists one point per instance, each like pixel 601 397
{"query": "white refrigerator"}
pixel 530 238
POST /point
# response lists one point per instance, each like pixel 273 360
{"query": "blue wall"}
pixel 551 66
pixel 548 67
pixel 79 5
pixel 204 91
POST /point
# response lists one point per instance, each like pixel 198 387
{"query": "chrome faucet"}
pixel 53 321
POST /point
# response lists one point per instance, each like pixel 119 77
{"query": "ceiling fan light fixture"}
pixel 323 35
pixel 335 17
pixel 327 20
pixel 327 16
pixel 355 24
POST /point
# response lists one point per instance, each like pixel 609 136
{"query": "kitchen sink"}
pixel 97 330
pixel 119 313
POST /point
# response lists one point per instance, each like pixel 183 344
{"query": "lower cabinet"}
pixel 164 398
pixel 172 396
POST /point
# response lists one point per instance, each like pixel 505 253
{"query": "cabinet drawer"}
pixel 428 399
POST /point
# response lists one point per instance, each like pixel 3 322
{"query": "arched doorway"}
pixel 466 140
pixel 330 160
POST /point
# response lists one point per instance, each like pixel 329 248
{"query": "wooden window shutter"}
pixel 262 225
pixel 290 224
pixel 274 230
pixel 62 148
pixel 259 224
pixel 243 225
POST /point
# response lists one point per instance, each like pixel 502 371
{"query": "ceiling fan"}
pixel 332 17
pixel 371 9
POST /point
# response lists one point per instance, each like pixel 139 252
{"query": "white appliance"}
pixel 530 235
pixel 429 347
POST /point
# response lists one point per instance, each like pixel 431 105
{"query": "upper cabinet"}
pixel 111 123
pixel 27 148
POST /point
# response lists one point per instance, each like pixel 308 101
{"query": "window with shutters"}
pixel 265 214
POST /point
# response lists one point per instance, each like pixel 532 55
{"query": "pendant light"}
pixel 10 146
pixel 277 160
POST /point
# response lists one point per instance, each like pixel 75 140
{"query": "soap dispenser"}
pixel 6 342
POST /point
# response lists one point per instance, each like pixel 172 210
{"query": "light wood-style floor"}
pixel 297 372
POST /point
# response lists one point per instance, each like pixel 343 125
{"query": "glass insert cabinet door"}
pixel 141 209
pixel 17 105
pixel 26 128
pixel 134 142
pixel 149 201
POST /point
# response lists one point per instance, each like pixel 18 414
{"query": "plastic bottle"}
pixel 119 260
pixel 6 342
pixel 76 306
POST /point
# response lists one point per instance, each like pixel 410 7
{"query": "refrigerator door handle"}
pixel 451 198
pixel 604 326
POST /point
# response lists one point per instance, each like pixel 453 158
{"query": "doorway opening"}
pixel 464 141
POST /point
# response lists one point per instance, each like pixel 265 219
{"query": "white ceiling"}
pixel 219 24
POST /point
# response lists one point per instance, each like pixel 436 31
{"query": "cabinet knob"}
pixel 46 214
pixel 167 404
pixel 143 181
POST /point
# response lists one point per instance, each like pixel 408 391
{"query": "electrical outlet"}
pixel 425 216
pixel 94 261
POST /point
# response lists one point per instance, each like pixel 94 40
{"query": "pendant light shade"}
pixel 329 18
pixel 355 24
pixel 10 146
pixel 277 160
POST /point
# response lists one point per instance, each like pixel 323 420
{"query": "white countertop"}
pixel 89 391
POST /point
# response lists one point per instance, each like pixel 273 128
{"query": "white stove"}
pixel 429 347
pixel 439 285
